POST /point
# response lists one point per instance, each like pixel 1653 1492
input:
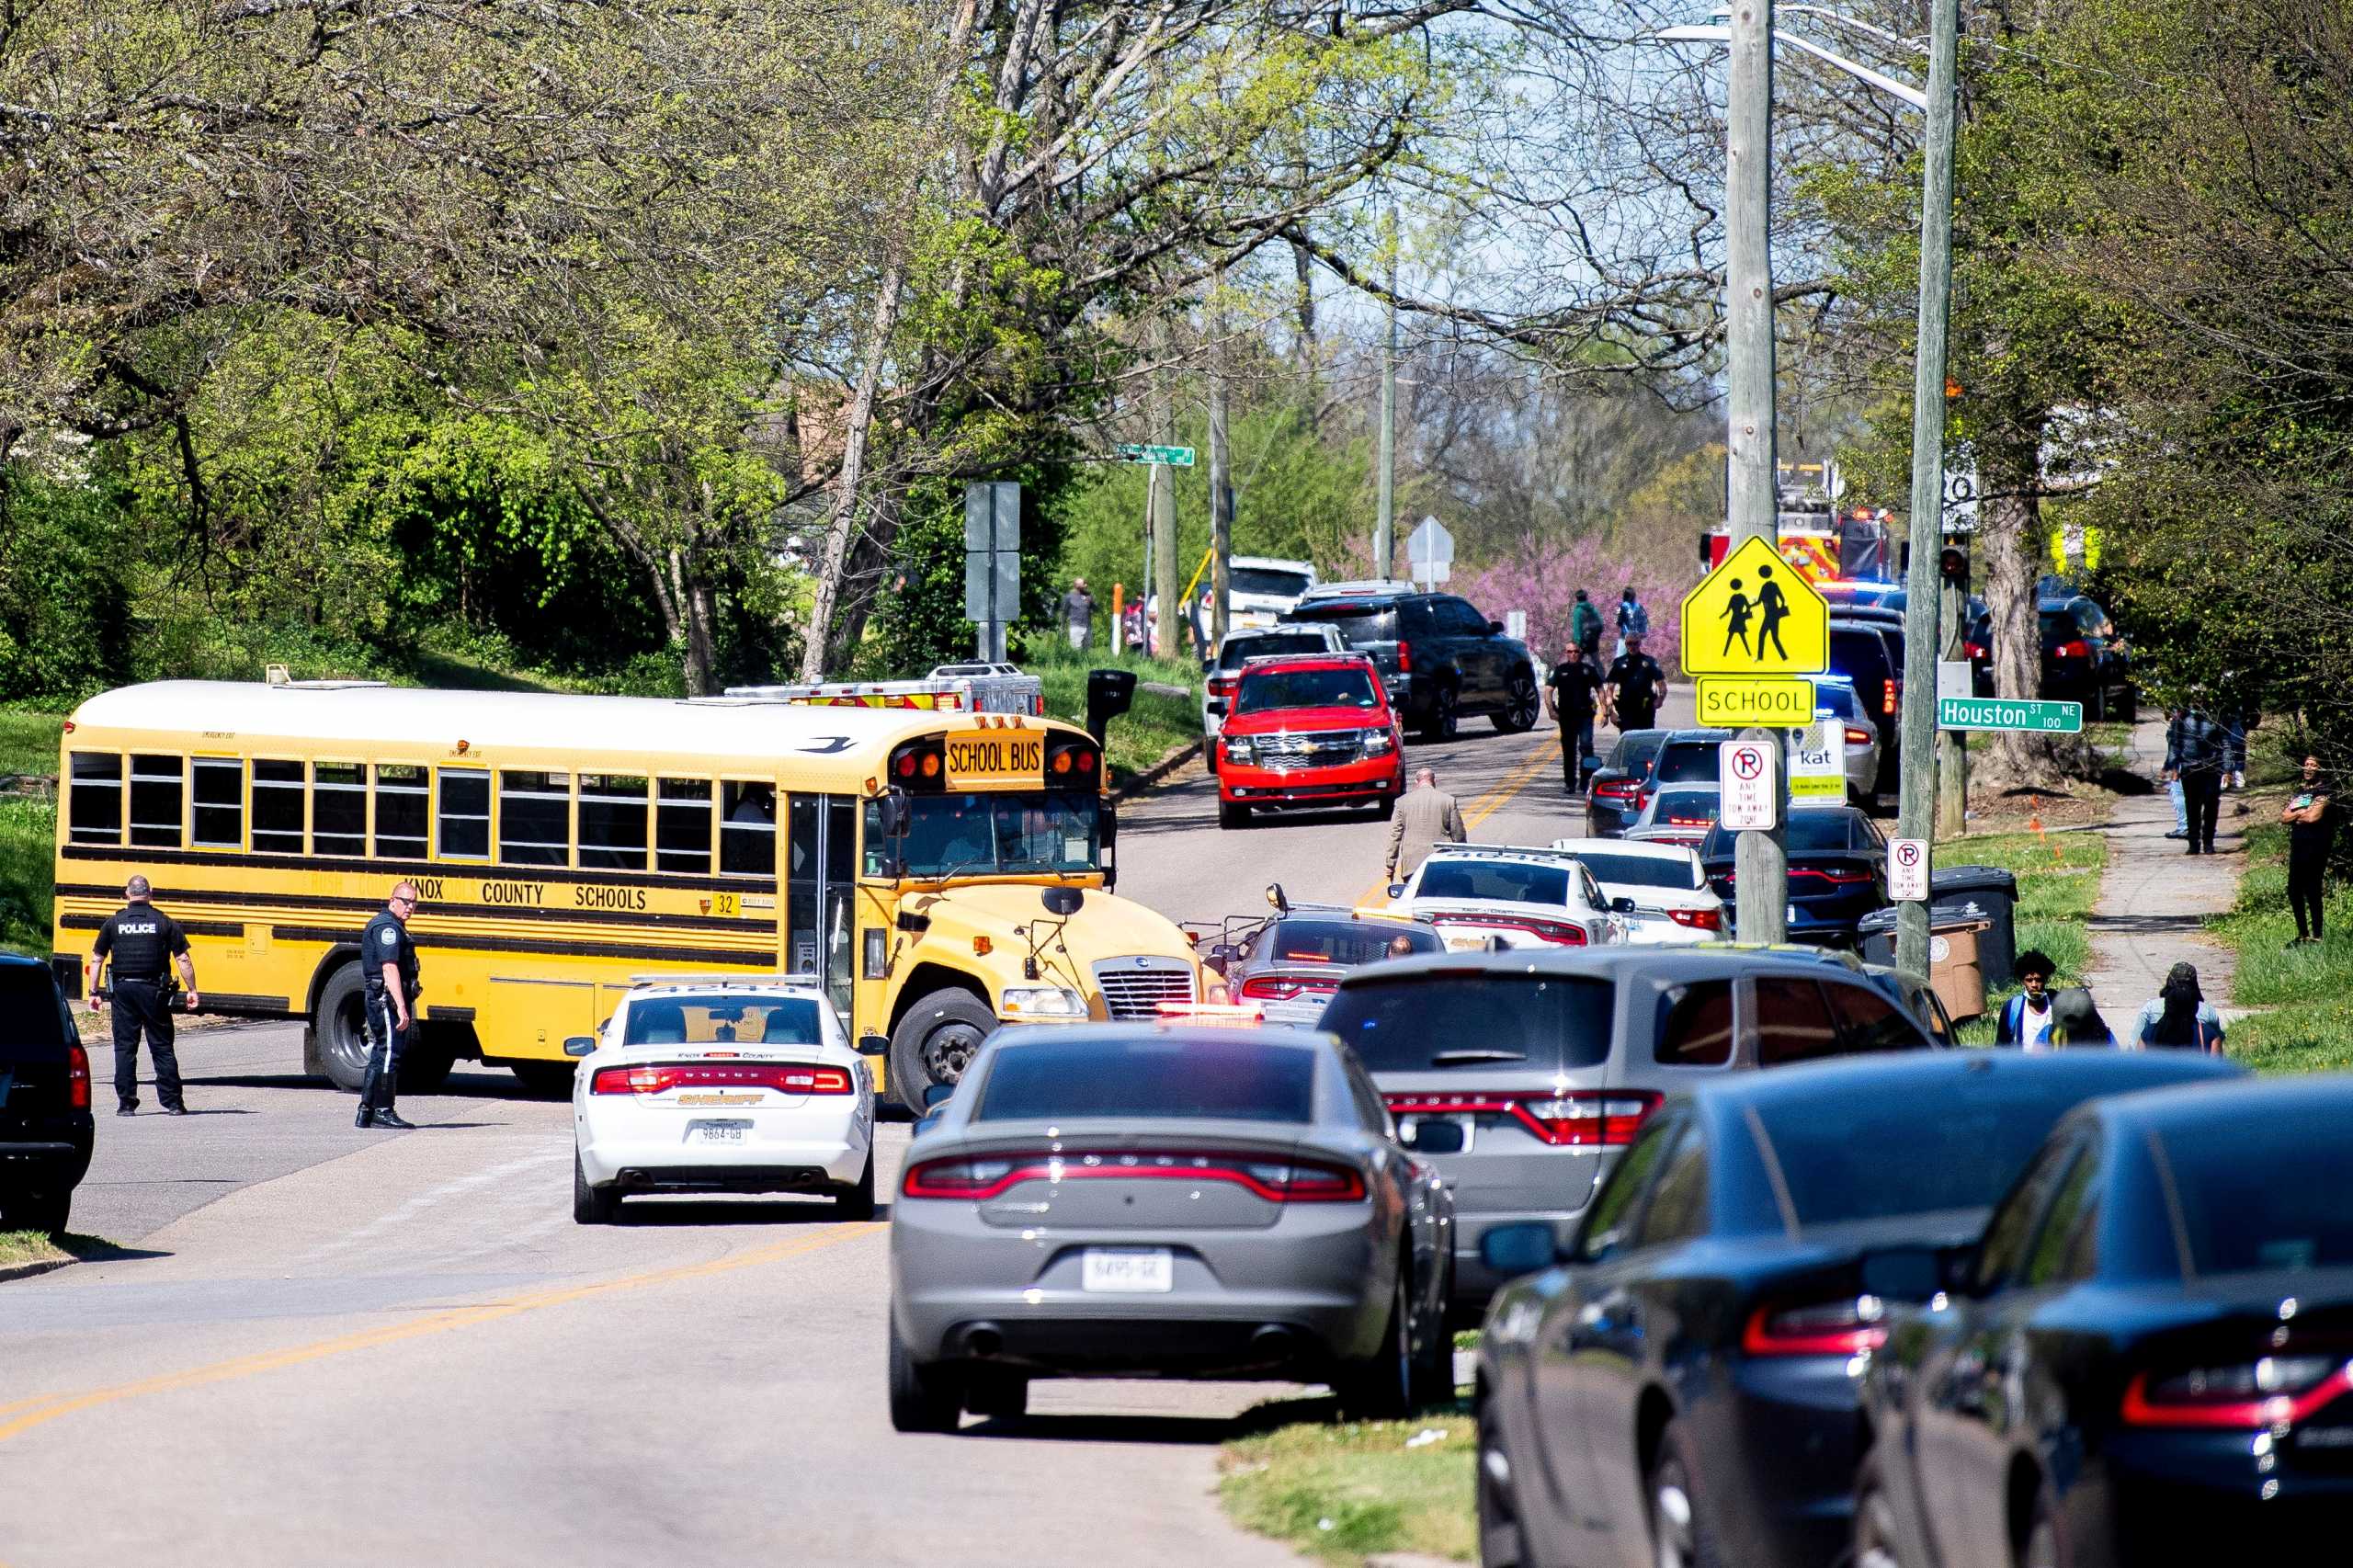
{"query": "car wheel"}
pixel 857 1202
pixel 1386 808
pixel 1679 1536
pixel 923 1399
pixel 543 1080
pixel 1382 1387
pixel 1444 718
pixel 424 1068
pixel 2046 1539
pixel 1433 1370
pixel 1499 1543
pixel 44 1211
pixel 1874 1518
pixel 1521 707
pixel 935 1041
pixel 1208 756
pixel 591 1205
pixel 1233 814
pixel 341 1028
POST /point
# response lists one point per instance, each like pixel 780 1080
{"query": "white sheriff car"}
pixel 1510 896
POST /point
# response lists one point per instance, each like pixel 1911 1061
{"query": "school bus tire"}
pixel 935 1040
pixel 340 1029
pixel 426 1064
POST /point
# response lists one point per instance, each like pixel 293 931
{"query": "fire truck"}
pixel 1826 540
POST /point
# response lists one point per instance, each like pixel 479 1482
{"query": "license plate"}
pixel 1409 1130
pixel 1793 914
pixel 719 1132
pixel 1129 1270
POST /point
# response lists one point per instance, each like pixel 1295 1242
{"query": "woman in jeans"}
pixel 2180 1017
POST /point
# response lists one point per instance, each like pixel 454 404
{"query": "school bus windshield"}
pixel 998 834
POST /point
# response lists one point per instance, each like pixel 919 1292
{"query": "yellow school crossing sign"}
pixel 1756 616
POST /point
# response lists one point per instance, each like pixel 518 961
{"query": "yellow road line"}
pixel 50 1407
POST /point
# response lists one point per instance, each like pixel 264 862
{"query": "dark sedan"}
pixel 1682 1388
pixel 2150 1360
pixel 1837 871
pixel 1613 795
pixel 1288 966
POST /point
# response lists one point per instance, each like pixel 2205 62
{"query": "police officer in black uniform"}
pixel 388 961
pixel 144 943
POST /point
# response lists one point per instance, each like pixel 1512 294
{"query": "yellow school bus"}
pixel 939 873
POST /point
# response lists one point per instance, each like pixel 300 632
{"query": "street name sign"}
pixel 1771 702
pixel 1818 765
pixel 1174 457
pixel 2002 713
pixel 1755 615
pixel 1907 869
pixel 1752 796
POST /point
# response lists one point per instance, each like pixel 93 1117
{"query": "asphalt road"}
pixel 318 1345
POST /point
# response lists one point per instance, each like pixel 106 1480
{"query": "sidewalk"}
pixel 2155 897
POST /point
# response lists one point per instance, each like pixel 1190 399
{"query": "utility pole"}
pixel 1384 518
pixel 1924 594
pixel 1952 751
pixel 1167 584
pixel 1220 477
pixel 1760 857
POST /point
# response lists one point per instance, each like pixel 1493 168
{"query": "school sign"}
pixel 1755 615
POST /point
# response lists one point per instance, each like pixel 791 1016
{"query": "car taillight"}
pixel 785 1078
pixel 1857 737
pixel 1404 654
pixel 1835 875
pixel 1690 821
pixel 1616 789
pixel 976 1179
pixel 1888 697
pixel 1585 1119
pixel 2075 649
pixel 1698 919
pixel 1282 988
pixel 1829 1328
pixel 77 1077
pixel 1223 686
pixel 1558 933
pixel 1973 649
pixel 2270 1390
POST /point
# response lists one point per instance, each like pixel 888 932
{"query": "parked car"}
pixel 1477 893
pixel 1678 815
pixel 720 1084
pixel 1443 659
pixel 1679 1385
pixel 1835 697
pixel 1257 593
pixel 47 1131
pixel 2146 1360
pixel 1869 654
pixel 2083 657
pixel 1311 729
pixel 1837 871
pixel 1544 1063
pixel 1289 965
pixel 1220 1203
pixel 1612 796
pixel 1221 672
pixel 1674 906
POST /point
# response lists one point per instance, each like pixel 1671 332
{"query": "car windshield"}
pixel 1266 689
pixel 978 834
pixel 1474 1018
pixel 1686 808
pixel 1151 1077
pixel 722 1020
pixel 1359 624
pixel 28 1002
pixel 1642 870
pixel 1272 581
pixel 1343 941
pixel 1808 832
pixel 1512 880
pixel 1237 649
pixel 1634 752
pixel 2258 1201
pixel 1690 762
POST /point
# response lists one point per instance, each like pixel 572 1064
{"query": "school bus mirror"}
pixel 874 1045
pixel 1063 901
pixel 894 813
pixel 580 1045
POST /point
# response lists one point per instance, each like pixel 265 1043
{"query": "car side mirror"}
pixel 874 1045
pixel 580 1045
pixel 1220 955
pixel 938 1094
pixel 1494 629
pixel 1523 1248
pixel 1622 905
pixel 1397 889
pixel 1063 902
pixel 1438 1136
pixel 924 1124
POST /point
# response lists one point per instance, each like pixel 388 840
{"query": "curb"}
pixel 1158 771
pixel 26 1270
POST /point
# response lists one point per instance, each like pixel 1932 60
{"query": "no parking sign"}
pixel 1752 794
pixel 1907 869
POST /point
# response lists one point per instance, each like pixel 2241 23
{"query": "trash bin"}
pixel 1981 892
pixel 1875 936
pixel 1957 947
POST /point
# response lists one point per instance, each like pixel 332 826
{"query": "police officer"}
pixel 388 962
pixel 144 942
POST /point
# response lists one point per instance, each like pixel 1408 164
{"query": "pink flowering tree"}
pixel 1544 579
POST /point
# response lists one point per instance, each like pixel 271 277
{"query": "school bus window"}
pixel 535 818
pixel 158 792
pixel 401 802
pixel 747 837
pixel 612 821
pixel 465 814
pixel 219 802
pixel 338 809
pixel 95 814
pixel 277 807
pixel 683 821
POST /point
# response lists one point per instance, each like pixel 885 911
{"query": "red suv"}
pixel 1308 730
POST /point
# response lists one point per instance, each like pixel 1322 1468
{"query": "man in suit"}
pixel 1426 816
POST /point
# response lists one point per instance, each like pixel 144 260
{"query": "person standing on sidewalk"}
pixel 2028 1017
pixel 1078 612
pixel 2194 756
pixel 1570 692
pixel 2180 1017
pixel 144 943
pixel 2311 825
pixel 2172 789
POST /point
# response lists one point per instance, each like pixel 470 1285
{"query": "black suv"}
pixel 46 1130
pixel 1439 657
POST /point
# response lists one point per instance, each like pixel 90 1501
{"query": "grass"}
pixel 21 1247
pixel 28 892
pixel 1342 1491
pixel 2307 993
pixel 29 741
pixel 1157 725
pixel 2059 876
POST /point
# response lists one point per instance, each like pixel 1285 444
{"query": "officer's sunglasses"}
pixel 410 901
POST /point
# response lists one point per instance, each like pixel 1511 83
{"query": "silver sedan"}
pixel 1128 1201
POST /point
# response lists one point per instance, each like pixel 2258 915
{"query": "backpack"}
pixel 1585 624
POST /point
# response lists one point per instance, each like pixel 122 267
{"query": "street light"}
pixel 1915 816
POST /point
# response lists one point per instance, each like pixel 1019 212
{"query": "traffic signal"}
pixel 1953 565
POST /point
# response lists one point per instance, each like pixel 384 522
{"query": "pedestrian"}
pixel 144 943
pixel 2173 789
pixel 2236 721
pixel 1633 621
pixel 1633 688
pixel 1427 817
pixel 1570 692
pixel 2179 1018
pixel 2028 1017
pixel 2310 827
pixel 2194 756
pixel 1585 628
pixel 1134 629
pixel 1078 610
pixel 387 965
